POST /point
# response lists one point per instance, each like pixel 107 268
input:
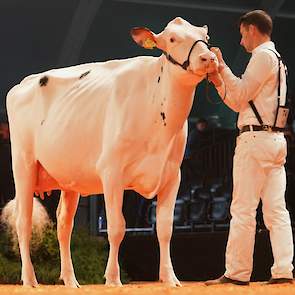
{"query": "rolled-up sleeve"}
pixel 237 92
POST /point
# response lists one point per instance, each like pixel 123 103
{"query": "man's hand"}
pixel 218 54
pixel 215 78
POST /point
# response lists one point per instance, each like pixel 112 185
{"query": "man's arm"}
pixel 220 86
pixel 238 91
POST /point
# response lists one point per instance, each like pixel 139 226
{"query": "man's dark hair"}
pixel 258 18
pixel 202 120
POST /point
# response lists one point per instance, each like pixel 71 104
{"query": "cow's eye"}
pixel 172 39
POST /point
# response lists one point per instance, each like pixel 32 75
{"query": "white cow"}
pixel 102 128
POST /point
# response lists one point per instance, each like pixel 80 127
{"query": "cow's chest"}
pixel 148 169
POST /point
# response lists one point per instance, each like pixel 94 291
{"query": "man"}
pixel 6 178
pixel 260 154
pixel 192 167
pixel 197 138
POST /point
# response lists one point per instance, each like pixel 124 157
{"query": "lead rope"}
pixel 207 92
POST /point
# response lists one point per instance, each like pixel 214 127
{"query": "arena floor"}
pixel 153 289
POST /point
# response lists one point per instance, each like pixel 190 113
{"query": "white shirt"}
pixel 259 83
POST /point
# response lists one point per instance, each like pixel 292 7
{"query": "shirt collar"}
pixel 265 45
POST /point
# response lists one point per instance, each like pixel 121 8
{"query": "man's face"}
pixel 201 126
pixel 247 37
pixel 4 131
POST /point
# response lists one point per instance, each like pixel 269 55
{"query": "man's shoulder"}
pixel 268 49
pixel 265 55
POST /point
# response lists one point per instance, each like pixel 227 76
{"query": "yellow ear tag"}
pixel 149 43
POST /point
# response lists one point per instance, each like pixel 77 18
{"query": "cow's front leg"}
pixel 113 194
pixel 65 213
pixel 165 212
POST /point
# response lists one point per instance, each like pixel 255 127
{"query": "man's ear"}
pixel 144 37
pixel 252 29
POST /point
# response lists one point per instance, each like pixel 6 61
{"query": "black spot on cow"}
pixel 159 79
pixel 84 74
pixel 42 122
pixel 163 118
pixel 43 81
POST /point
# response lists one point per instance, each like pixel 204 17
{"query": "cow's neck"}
pixel 176 97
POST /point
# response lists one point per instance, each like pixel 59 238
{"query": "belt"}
pixel 261 128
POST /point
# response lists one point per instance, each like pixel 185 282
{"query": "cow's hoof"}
pixel 113 283
pixel 171 283
pixel 169 278
pixel 112 279
pixel 28 277
pixel 30 283
pixel 70 282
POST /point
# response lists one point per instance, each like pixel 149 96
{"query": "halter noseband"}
pixel 186 63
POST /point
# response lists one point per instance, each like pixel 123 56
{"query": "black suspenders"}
pixel 251 103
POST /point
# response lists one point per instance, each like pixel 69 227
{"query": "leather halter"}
pixel 186 63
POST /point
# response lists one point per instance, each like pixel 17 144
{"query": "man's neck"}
pixel 262 39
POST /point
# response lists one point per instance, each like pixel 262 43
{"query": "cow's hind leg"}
pixel 113 194
pixel 165 212
pixel 24 169
pixel 65 213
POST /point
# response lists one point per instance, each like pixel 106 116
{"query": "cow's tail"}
pixel 40 222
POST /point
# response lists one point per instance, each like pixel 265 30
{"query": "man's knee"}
pixel 276 218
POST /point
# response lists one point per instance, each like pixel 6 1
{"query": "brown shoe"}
pixel 280 281
pixel 225 280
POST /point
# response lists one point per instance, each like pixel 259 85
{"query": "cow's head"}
pixel 185 46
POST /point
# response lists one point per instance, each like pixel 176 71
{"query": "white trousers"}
pixel 259 173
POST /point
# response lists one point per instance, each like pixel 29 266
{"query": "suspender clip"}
pixel 267 128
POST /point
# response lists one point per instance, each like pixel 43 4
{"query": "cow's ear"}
pixel 144 37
